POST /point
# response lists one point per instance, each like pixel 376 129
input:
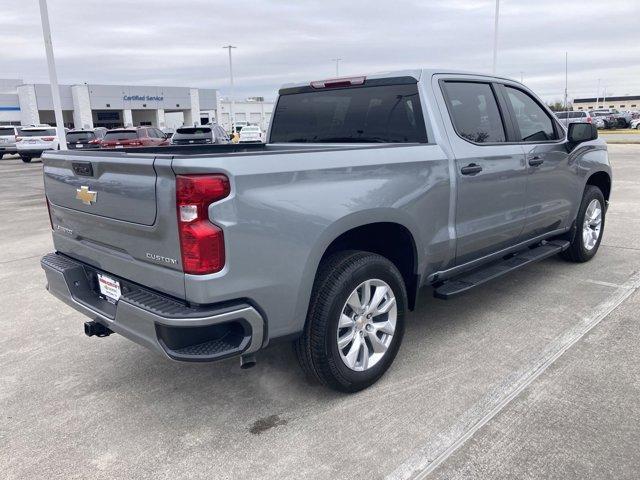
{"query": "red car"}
pixel 134 137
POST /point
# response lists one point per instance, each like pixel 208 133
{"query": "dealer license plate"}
pixel 109 287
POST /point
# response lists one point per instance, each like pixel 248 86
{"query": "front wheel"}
pixel 355 321
pixel 589 227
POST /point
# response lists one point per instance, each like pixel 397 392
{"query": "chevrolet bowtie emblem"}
pixel 86 196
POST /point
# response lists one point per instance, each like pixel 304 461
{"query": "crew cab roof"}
pixel 415 73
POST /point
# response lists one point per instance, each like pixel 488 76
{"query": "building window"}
pixel 579 108
pixel 611 106
pixel 144 105
pixel 177 104
pixel 108 105
pixel 599 106
pixel 633 106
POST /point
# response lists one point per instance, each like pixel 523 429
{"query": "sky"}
pixel 179 42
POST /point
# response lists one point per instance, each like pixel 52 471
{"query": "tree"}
pixel 558 106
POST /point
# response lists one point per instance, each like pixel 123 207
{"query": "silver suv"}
pixel 579 117
pixel 8 134
pixel 199 135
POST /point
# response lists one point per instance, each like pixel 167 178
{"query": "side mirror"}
pixel 581 132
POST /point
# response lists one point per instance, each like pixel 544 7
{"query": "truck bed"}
pixel 229 149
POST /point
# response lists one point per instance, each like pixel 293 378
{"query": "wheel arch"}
pixel 602 180
pixel 343 233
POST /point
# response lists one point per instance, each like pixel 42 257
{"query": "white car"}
pixel 251 134
pixel 635 123
pixel 32 141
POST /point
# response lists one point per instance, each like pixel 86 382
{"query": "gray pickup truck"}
pixel 368 189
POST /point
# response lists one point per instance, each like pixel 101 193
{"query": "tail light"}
pixel 94 142
pixel 18 139
pixel 588 119
pixel 338 82
pixel 48 139
pixel 201 242
pixel 134 143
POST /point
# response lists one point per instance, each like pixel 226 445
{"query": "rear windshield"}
pixel 381 114
pixel 121 135
pixel 6 131
pixel 76 136
pixel 562 115
pixel 41 132
pixel 192 132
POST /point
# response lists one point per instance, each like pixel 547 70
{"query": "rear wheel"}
pixel 355 322
pixel 589 227
pixel 25 159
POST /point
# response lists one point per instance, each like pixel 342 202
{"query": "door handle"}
pixel 535 161
pixel 471 169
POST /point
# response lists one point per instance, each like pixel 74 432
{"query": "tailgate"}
pixel 116 211
pixel 124 188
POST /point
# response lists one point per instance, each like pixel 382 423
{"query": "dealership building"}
pixel 626 102
pixel 112 106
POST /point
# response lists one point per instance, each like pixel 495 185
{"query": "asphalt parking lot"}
pixel 535 375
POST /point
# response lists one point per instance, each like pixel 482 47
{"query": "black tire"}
pixel 577 252
pixel 317 348
pixel 25 159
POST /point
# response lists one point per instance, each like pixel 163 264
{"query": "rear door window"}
pixel 377 114
pixel 121 135
pixel 80 136
pixel 43 132
pixel 192 133
pixel 532 120
pixel 6 131
pixel 474 111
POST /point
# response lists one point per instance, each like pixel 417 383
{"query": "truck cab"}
pixel 367 189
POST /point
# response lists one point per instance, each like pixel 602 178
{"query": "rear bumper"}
pixel 8 149
pixel 160 323
pixel 85 146
pixel 30 152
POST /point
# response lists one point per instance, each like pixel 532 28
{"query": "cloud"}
pixel 180 42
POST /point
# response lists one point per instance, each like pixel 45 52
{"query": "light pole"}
pixel 495 36
pixel 231 109
pixel 53 76
pixel 566 80
pixel 337 60
pixel 598 93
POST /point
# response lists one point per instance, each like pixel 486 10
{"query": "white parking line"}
pixel 427 459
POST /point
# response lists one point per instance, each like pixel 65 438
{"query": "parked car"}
pixel 622 119
pixel 8 134
pixel 368 189
pixel 134 137
pixel 240 125
pixel 206 134
pixel 609 120
pixel 32 141
pixel 635 123
pixel 85 139
pixel 578 116
pixel 251 134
